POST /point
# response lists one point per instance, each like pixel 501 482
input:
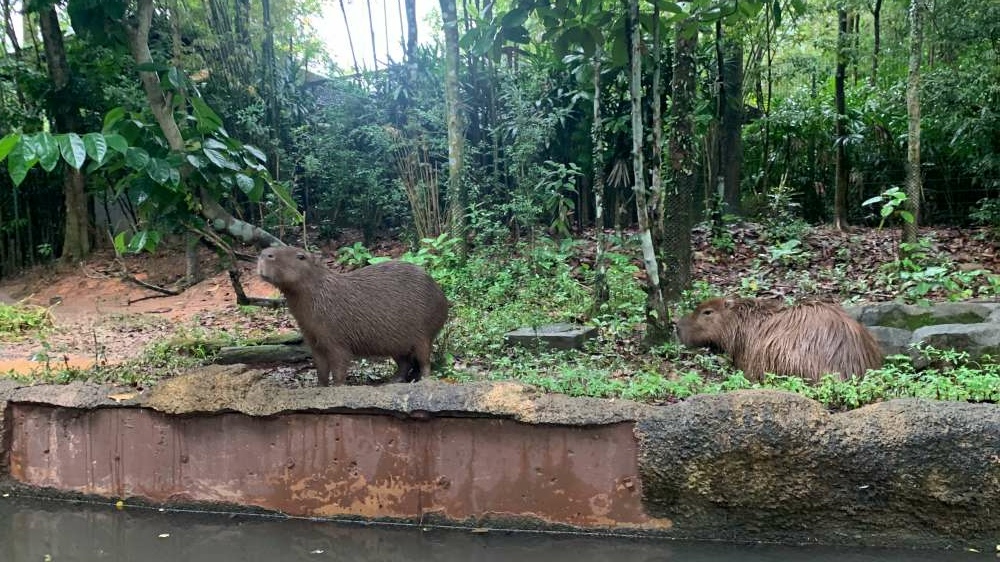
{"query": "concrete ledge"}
pixel 752 465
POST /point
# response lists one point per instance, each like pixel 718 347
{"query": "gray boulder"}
pixel 977 339
pixel 762 465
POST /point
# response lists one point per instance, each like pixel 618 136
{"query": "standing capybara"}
pixel 809 339
pixel 391 309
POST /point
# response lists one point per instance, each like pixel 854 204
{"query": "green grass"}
pixel 19 320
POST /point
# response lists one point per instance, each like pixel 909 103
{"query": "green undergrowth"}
pixel 18 320
pixel 493 290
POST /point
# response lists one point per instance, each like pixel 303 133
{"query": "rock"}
pixel 554 336
pixel 893 341
pixel 976 339
pixel 235 388
pixel 255 354
pixel 762 465
pixel 911 317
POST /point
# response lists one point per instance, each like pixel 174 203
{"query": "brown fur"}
pixel 391 309
pixel 809 339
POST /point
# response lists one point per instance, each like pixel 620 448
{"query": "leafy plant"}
pixel 19 319
pixel 892 201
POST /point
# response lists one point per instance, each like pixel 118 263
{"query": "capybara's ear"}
pixel 729 302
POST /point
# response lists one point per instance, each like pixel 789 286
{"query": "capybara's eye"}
pixel 300 256
pixel 706 312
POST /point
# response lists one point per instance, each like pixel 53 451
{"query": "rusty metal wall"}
pixel 326 464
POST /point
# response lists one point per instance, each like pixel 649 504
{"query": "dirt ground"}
pixel 99 317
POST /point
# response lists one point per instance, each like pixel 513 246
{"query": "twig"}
pixel 243 299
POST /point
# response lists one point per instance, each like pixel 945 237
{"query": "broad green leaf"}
pixel 8 143
pixel 514 18
pixel 196 161
pixel 96 145
pixel 112 117
pixel 136 158
pixel 257 153
pixel 619 50
pixel 175 176
pixel 18 164
pixel 245 183
pixel 73 150
pixel 907 216
pixel 282 194
pixel 886 211
pixel 158 170
pixel 47 150
pixel 872 201
pixel 174 78
pixel 208 120
pixel 215 144
pixel 120 246
pixel 116 142
pixel 219 160
pixel 517 35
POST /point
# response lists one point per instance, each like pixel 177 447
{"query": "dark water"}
pixel 32 530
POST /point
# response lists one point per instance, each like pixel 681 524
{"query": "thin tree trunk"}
pixel 371 30
pixel 411 41
pixel 456 140
pixel 657 317
pixel 657 207
pixel 732 123
pixel 766 110
pixel 877 33
pixel 8 21
pixel 683 160
pixel 271 87
pixel 841 164
pixel 913 181
pixel 350 40
pixel 76 238
pixel 601 291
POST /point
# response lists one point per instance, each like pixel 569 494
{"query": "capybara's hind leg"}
pixel 404 366
pixel 322 368
pixel 422 354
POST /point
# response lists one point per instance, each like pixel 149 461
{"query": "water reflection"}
pixel 31 529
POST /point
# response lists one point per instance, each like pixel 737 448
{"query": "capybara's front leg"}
pixel 339 360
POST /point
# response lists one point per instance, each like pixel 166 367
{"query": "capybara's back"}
pixel 391 309
pixel 809 339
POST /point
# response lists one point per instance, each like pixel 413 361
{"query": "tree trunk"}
pixel 371 31
pixel 601 292
pixel 411 40
pixel 657 206
pixel 731 141
pixel 76 238
pixel 657 317
pixel 841 164
pixel 350 40
pixel 877 35
pixel 456 144
pixel 9 27
pixel 683 160
pixel 160 104
pixel 271 88
pixel 913 182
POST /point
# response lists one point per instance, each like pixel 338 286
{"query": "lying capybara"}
pixel 809 339
pixel 391 309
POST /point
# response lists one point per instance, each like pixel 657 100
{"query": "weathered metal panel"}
pixel 330 464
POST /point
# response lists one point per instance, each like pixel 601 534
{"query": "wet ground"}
pixel 36 530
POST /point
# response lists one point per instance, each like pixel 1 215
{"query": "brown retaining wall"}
pixel 741 466
pixel 336 464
